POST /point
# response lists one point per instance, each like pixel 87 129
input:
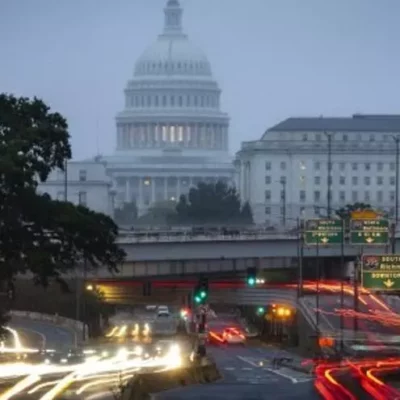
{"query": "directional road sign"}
pixel 381 272
pixel 369 231
pixel 323 231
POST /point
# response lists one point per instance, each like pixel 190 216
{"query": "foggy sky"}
pixel 272 58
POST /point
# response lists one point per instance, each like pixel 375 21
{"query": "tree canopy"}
pixel 37 234
pixel 213 203
pixel 126 214
pixel 160 213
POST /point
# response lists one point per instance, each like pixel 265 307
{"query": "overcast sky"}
pixel 272 58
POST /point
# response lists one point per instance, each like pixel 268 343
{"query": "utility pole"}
pixel 283 198
pixel 329 183
pixel 397 140
pixel 66 180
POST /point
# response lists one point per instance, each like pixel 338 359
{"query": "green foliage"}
pixel 127 214
pixel 210 203
pixel 161 213
pixel 38 234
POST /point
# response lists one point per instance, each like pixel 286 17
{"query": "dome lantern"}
pixel 173 18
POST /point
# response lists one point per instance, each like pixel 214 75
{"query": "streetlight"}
pixel 397 140
pixel 66 180
pixel 328 194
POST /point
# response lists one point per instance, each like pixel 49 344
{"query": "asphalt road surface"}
pixel 247 375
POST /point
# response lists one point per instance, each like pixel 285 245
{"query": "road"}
pixel 247 375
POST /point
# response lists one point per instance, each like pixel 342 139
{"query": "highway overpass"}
pixel 157 253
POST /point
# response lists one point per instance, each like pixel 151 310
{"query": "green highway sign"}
pixel 369 231
pixel 323 231
pixel 381 272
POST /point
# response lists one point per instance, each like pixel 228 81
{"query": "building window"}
pixel 317 180
pixel 392 180
pixel 82 198
pixel 267 195
pixel 342 196
pixel 317 165
pixel 392 166
pixel 317 196
pixel 342 180
pixel 268 210
pixel 354 180
pixel 302 211
pixel 61 195
pixel 156 101
pixel 318 137
pixel 367 166
pixel 267 166
pixel 180 101
pixel 392 195
pixel 302 179
pixel 302 196
pixel 164 101
pixel 379 196
pixel 345 138
pixel 367 180
pixel 354 196
pixel 342 166
pixel 366 196
pixel 354 166
pixel 283 165
pixel 372 138
pixel 302 165
pixel 267 180
pixel 147 182
pixel 305 138
pixel 82 175
pixel 317 211
pixel 283 179
pixel 379 166
pixel 379 180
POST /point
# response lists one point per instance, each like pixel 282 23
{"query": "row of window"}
pixel 345 137
pixel 145 101
pixel 342 196
pixel 341 180
pixel 341 166
pixel 180 67
pixel 82 175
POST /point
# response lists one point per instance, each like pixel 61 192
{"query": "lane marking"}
pixel 229 368
pixel 247 369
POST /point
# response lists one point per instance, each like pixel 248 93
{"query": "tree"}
pixel 210 203
pixel 160 213
pixel 37 234
pixel 127 214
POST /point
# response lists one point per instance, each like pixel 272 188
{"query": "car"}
pixel 227 336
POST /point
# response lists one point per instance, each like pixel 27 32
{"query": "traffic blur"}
pixel 47 373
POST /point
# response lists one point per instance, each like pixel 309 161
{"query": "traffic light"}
pixel 260 310
pixel 251 276
pixel 201 291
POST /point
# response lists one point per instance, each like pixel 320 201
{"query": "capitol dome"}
pixel 172 53
pixel 172 101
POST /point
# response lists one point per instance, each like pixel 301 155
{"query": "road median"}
pixel 144 385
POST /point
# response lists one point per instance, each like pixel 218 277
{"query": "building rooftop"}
pixel 355 123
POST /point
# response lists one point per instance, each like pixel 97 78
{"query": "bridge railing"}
pixel 206 235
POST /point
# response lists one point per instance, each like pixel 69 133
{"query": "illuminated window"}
pixel 147 182
pixel 172 131
pixel 302 165
pixel 180 133
pixel 164 133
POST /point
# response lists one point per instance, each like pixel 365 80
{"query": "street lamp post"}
pixel 66 180
pixel 329 183
pixel 283 198
pixel 397 140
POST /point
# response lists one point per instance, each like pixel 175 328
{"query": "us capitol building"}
pixel 171 134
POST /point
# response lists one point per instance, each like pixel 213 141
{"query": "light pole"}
pixel 66 180
pixel 329 183
pixel 283 198
pixel 397 140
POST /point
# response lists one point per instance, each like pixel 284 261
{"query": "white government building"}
pixel 171 134
pixel 284 175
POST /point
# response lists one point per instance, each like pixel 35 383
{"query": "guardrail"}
pixel 76 327
pixel 128 238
